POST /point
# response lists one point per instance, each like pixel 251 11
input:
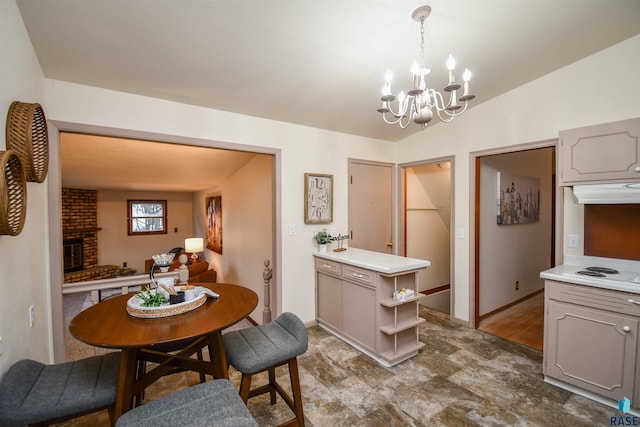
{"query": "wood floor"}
pixel 522 323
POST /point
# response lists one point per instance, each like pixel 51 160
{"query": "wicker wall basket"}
pixel 27 136
pixel 13 194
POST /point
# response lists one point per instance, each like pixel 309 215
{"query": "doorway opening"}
pixel 426 233
pixel 160 140
pixel 515 239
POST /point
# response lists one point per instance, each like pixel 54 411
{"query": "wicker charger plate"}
pixel 13 194
pixel 26 133
pixel 136 310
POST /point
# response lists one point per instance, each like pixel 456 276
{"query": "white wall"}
pixel 115 246
pixel 24 269
pixel 510 253
pixel 580 94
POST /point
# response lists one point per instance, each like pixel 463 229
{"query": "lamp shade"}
pixel 194 244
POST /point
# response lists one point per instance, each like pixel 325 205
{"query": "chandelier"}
pixel 420 102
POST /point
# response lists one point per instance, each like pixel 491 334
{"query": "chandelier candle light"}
pixel 418 104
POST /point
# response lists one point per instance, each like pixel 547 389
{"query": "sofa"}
pixel 198 272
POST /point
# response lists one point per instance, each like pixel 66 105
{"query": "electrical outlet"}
pixel 31 316
pixel 517 285
pixel 292 229
pixel 573 240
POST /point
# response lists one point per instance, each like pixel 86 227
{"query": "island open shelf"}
pixel 354 301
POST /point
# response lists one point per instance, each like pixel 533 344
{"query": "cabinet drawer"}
pixel 588 296
pixel 327 266
pixel 358 275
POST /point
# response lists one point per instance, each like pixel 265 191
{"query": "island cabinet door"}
pixel 329 300
pixel 592 349
pixel 359 313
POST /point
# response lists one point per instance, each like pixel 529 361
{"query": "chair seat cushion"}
pixel 214 403
pixel 32 392
pixel 257 348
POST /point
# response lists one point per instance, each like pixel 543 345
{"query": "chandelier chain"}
pixel 422 42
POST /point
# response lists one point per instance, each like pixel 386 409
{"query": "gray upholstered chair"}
pixel 33 393
pixel 213 403
pixel 264 348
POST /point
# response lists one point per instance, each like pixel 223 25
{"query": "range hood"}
pixel 607 193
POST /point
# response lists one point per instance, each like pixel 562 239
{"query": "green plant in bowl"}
pixel 151 299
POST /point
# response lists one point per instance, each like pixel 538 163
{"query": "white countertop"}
pixel 376 261
pixel 566 272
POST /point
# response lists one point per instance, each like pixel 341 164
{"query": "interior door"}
pixel 370 205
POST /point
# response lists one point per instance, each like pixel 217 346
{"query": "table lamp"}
pixel 193 245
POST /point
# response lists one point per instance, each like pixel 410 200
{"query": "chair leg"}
pixel 295 387
pixel 245 387
pixel 272 385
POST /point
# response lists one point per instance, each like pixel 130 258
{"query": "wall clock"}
pixel 318 198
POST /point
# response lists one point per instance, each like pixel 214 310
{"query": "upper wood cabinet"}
pixel 609 152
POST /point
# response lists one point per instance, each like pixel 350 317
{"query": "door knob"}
pixel 626 328
pixel 390 244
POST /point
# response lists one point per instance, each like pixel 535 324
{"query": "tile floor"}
pixel 463 377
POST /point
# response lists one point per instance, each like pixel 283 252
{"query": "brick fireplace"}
pixel 80 237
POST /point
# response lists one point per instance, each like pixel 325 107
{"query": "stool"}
pixel 264 348
pixel 32 392
pixel 213 403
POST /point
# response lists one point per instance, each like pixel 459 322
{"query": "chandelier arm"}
pixel 450 115
pixel 402 110
pixel 397 120
pixel 438 100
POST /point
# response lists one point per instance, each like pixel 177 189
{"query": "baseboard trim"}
pixel 511 304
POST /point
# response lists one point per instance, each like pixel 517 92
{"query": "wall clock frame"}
pixel 318 198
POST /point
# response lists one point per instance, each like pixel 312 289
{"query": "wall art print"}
pixel 214 224
pixel 518 199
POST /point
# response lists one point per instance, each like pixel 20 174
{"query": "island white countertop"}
pixel 376 261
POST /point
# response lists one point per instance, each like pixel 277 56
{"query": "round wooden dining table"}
pixel 109 325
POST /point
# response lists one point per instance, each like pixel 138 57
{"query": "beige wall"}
pixel 428 222
pixel 24 269
pixel 510 253
pixel 580 94
pixel 247 222
pixel 115 246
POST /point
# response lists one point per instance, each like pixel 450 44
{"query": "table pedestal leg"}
pixel 126 379
pixel 218 356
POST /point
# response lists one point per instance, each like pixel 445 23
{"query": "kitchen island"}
pixel 370 300
pixel 592 321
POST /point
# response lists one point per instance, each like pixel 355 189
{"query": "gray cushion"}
pixel 32 392
pixel 214 403
pixel 255 349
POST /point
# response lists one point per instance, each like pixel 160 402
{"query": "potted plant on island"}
pixel 323 239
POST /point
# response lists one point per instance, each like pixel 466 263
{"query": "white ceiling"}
pixel 98 162
pixel 315 63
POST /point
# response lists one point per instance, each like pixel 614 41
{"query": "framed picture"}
pixel 214 223
pixel 318 198
pixel 518 199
